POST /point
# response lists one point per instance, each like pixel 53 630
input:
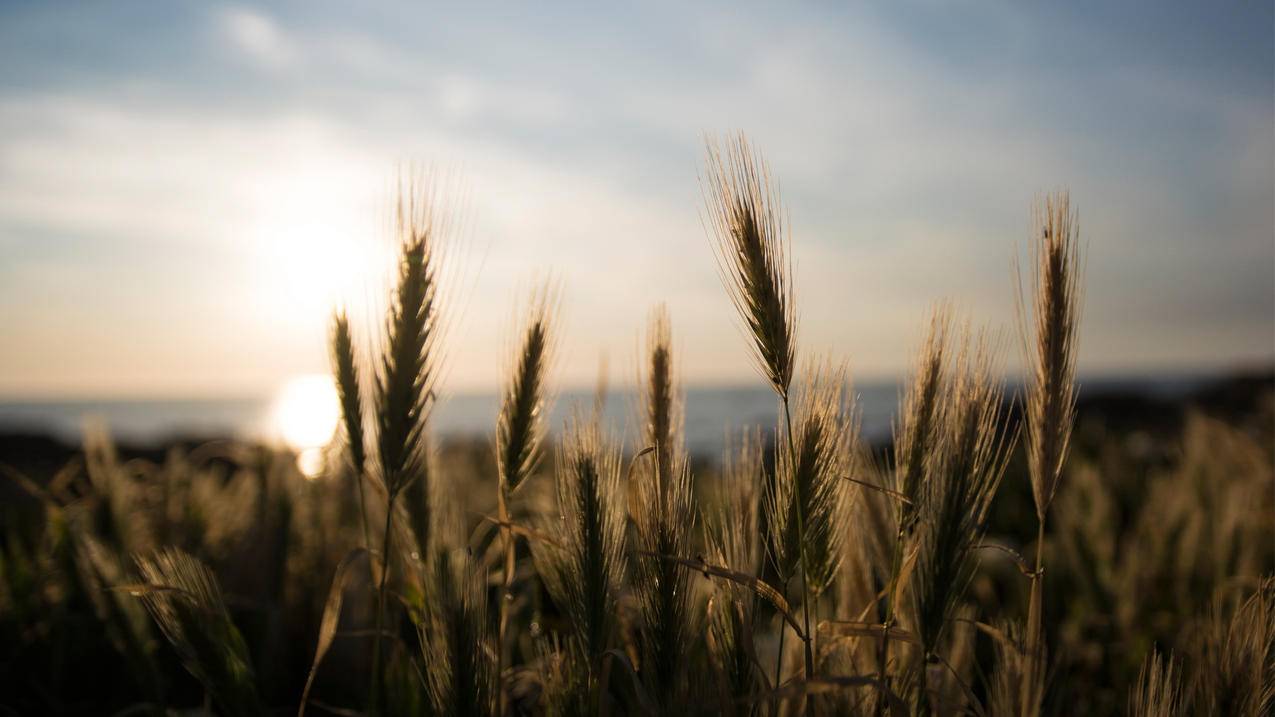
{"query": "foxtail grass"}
pixel 733 536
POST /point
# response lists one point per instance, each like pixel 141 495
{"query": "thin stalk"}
pixel 779 659
pixel 367 531
pixel 378 678
pixel 883 652
pixel 1034 617
pixel 507 544
pixel 801 551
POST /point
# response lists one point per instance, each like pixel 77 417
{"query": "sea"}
pixel 714 416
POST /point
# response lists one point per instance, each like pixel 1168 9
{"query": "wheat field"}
pixel 995 559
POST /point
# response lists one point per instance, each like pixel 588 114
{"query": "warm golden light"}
pixel 305 415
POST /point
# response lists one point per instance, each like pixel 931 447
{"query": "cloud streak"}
pixel 181 166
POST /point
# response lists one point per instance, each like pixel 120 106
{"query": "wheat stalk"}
pixel 405 382
pixel 663 514
pixel 520 435
pixel 750 238
pixel 1050 403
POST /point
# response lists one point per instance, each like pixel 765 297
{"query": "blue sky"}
pixel 185 188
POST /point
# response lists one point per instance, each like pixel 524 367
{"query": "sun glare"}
pixel 305 415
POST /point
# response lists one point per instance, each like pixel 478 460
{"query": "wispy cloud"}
pixel 177 170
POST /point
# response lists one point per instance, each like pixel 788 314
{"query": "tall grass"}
pixel 1050 342
pixel 658 583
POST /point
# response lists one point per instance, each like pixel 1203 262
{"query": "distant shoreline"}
pixel 31 429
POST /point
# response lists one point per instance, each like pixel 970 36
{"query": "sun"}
pixel 304 415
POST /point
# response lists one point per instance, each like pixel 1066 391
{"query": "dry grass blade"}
pixel 750 237
pixel 331 617
pixel 524 531
pixel 764 590
pixel 859 628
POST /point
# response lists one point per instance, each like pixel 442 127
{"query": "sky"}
pixel 187 189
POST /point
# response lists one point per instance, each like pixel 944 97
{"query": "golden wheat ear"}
pixel 520 426
pixel 920 417
pixel 349 392
pixel 1050 339
pixel 750 236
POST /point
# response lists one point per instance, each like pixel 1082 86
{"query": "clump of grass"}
pixel 808 500
pixel 1235 658
pixel 733 536
pixel 582 573
pixel 965 472
pixel 456 644
pixel 182 595
pixel 1157 692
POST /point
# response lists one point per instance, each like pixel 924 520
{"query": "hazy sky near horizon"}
pixel 187 188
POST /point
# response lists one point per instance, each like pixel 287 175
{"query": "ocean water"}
pixel 712 414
